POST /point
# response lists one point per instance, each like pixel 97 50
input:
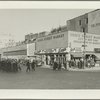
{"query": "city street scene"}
pixel 50 49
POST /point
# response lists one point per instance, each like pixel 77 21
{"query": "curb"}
pixel 81 70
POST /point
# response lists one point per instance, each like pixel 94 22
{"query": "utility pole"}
pixel 84 47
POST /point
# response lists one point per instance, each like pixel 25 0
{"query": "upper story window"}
pixel 83 29
pixel 86 20
pixel 80 22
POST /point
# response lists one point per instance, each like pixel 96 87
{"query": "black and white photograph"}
pixel 50 47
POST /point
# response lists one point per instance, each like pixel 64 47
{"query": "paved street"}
pixel 44 78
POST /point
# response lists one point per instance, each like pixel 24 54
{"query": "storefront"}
pixel 53 48
pixel 68 45
pixel 49 56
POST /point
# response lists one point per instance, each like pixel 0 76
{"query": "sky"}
pixel 19 22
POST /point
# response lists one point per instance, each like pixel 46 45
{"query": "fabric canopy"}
pixel 77 55
pixel 97 56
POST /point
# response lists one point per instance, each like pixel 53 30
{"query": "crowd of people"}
pixel 9 65
pixel 76 63
pixel 79 63
pixel 58 65
pixel 15 65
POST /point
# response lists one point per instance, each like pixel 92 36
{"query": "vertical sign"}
pixel 30 49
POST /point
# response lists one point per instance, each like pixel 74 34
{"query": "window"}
pixel 83 29
pixel 79 22
pixel 86 20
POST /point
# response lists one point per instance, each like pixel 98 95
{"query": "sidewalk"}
pixel 92 69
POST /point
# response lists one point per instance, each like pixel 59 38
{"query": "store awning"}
pixel 97 56
pixel 89 53
pixel 77 55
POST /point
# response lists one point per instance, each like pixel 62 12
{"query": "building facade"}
pixel 14 52
pixel 69 43
pixel 71 39
pixel 94 22
pixel 89 23
pixel 79 24
pixel 31 37
pixel 52 41
pixel 18 52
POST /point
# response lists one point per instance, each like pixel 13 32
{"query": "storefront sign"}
pixel 50 37
pixel 77 40
pixel 74 39
pixel 54 41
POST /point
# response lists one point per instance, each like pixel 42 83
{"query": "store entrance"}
pixel 51 59
pixel 59 58
pixel 62 58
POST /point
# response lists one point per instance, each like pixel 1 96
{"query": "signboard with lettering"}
pixel 76 39
pixel 30 49
pixel 94 22
pixel 58 40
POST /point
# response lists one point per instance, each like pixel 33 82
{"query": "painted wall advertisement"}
pixel 54 41
pixel 76 41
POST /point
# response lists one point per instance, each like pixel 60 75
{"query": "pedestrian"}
pixel 55 65
pixel 33 64
pixel 69 63
pixel 46 60
pixel 15 68
pixel 72 63
pixel 59 66
pixel 81 63
pixel 19 65
pixel 28 66
pixel 0 65
pixel 92 63
pixel 9 66
pixel 65 65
